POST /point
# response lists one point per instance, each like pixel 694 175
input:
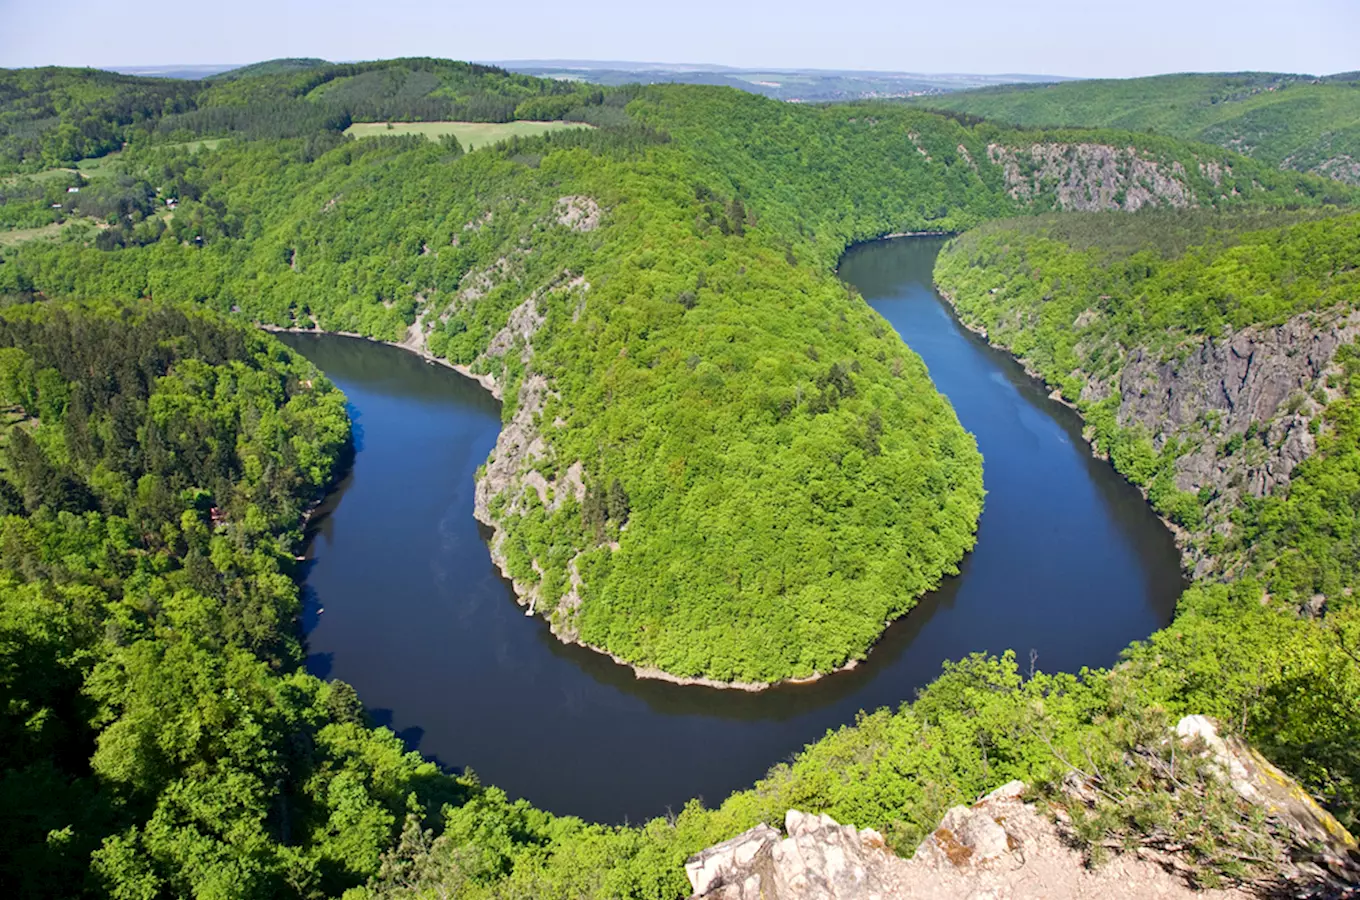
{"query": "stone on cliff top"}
pixel 1257 781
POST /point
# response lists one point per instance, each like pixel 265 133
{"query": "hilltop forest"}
pixel 733 446
pixel 1295 122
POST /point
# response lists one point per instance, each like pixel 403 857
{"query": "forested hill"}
pixel 716 462
pixel 1291 121
pixel 656 280
pixel 55 117
pixel 270 67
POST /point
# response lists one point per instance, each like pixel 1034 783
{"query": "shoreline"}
pixel 1179 534
pixel 489 384
pixel 486 381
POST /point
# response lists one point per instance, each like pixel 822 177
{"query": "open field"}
pixel 51 231
pixel 195 146
pixel 19 235
pixel 470 134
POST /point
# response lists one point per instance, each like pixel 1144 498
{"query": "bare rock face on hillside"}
pixel 1325 852
pixel 1091 176
pixel 1003 847
pixel 1241 405
pixel 578 213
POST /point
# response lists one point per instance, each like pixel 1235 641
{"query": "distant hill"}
pixel 1292 121
pixel 174 70
pixel 795 85
pixel 222 72
pixel 56 116
pixel 270 67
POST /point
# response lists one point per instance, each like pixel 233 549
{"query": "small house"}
pixel 73 190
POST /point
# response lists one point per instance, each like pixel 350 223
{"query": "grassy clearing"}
pixel 470 134
pixel 93 168
pixel 195 146
pixel 46 232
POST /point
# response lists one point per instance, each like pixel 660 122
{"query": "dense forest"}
pixel 707 369
pixel 1292 121
pixel 758 454
pixel 55 117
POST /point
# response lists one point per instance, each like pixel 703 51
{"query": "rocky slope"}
pixel 1004 847
pixel 1207 411
pixel 1089 177
pixel 1265 386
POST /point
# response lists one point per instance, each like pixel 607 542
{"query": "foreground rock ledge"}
pixel 999 849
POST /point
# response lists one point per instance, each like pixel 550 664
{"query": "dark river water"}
pixel 404 603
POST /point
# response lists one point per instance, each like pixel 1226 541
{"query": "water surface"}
pixel 405 604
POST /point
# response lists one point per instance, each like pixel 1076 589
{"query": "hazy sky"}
pixel 1061 37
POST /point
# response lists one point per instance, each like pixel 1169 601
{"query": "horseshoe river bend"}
pixel 404 602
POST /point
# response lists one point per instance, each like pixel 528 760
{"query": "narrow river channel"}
pixel 404 603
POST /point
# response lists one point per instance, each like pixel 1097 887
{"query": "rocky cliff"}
pixel 1243 406
pixel 1085 176
pixel 1005 847
pixel 1239 410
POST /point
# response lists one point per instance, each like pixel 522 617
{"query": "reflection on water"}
pixel 1070 564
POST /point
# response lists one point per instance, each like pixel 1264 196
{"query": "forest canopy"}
pixel 757 454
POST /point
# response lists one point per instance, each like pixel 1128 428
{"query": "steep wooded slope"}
pixel 1291 121
pixel 670 367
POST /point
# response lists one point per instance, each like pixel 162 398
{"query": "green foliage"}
pixel 761 455
pixel 53 117
pixel 734 392
pixel 157 466
pixel 1073 296
pixel 1290 121
pixel 1306 542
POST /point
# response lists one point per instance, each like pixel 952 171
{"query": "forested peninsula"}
pixel 709 440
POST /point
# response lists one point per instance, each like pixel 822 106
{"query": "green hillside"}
pixel 1291 121
pixel 55 117
pixel 270 67
pixel 746 474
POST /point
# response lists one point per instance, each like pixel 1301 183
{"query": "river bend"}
pixel 404 603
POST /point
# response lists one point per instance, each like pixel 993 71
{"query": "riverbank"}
pixel 1182 537
pixel 415 345
pixel 524 593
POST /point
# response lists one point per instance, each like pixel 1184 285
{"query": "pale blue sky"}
pixel 1061 37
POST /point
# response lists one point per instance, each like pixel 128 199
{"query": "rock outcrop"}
pixel 1003 847
pixel 578 213
pixel 999 848
pixel 1241 406
pixel 1322 851
pixel 1091 176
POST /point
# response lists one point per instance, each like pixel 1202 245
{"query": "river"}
pixel 404 603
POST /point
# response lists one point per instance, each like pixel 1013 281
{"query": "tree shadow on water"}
pixel 321 665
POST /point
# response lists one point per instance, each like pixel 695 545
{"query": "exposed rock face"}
pixel 1342 167
pixel 578 213
pixel 999 848
pixel 1091 176
pixel 511 471
pixel 1257 781
pixel 1261 382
